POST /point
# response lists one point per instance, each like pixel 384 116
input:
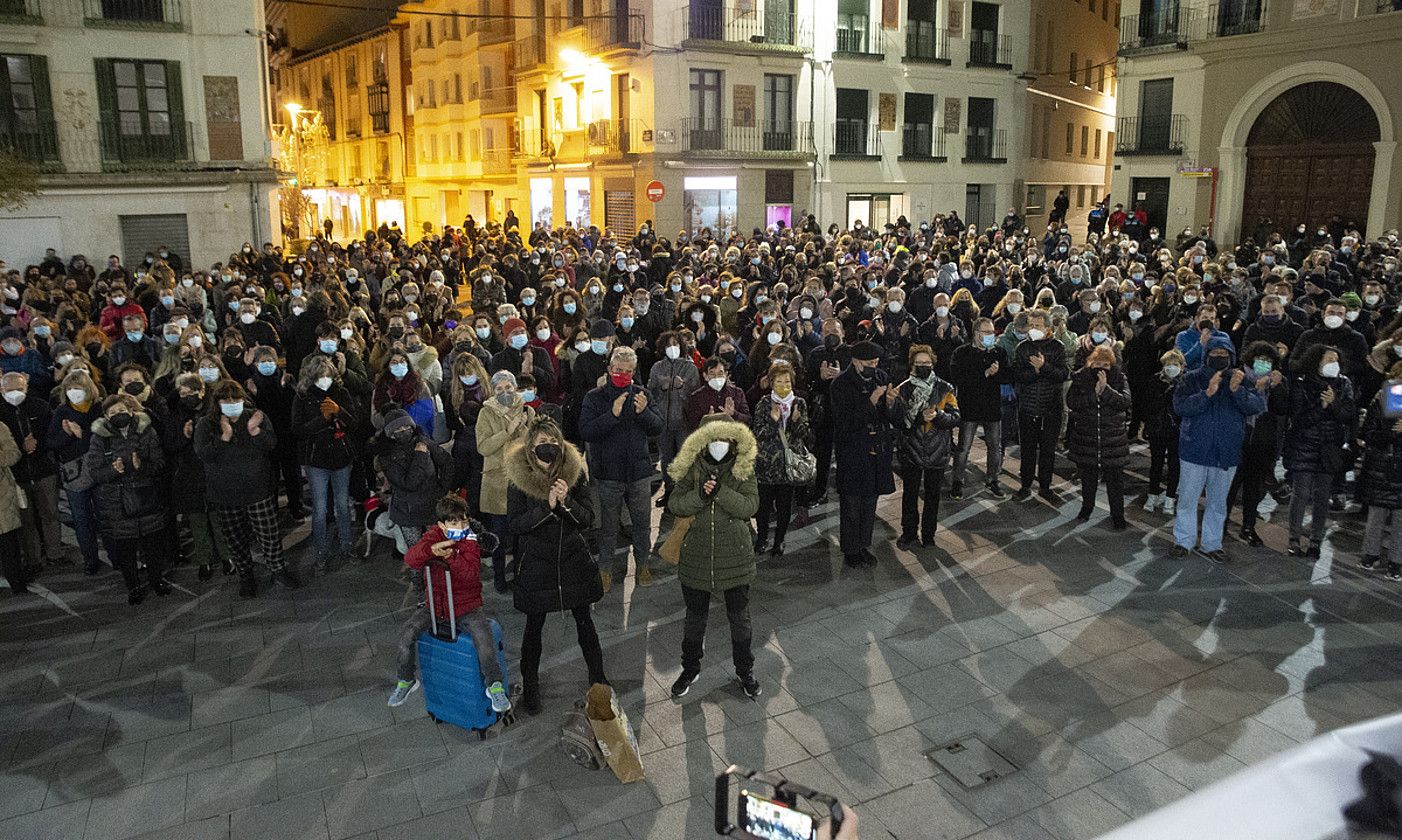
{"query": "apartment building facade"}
pixel 147 121
pixel 1255 116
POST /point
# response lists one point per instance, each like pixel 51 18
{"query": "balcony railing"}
pixel 496 161
pixel 377 101
pixel 528 53
pixel 495 100
pixel 925 42
pixel 855 139
pixel 129 152
pixel 20 11
pixel 858 35
pixel 33 142
pixel 614 32
pixel 495 30
pixel 921 141
pixel 615 136
pixel 532 144
pixel 137 14
pixel 983 144
pixel 989 49
pixel 1167 26
pixel 1153 135
pixel 793 138
pixel 763 29
pixel 1236 17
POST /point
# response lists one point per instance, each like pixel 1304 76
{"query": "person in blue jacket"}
pixel 1214 402
pixel 1194 341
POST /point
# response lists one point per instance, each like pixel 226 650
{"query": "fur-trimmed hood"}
pixel 531 481
pixel 710 430
pixel 141 421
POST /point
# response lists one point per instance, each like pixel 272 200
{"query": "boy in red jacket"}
pixel 454 546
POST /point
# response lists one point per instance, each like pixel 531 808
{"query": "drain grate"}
pixel 971 761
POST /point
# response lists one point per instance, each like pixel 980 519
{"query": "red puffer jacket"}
pixel 465 564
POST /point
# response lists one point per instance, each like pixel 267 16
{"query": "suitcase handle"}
pixel 433 613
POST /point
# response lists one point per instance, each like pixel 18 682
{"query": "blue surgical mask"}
pixel 135 335
pixel 328 345
pixel 989 340
pixel 399 370
pixel 528 395
pixel 455 533
pixel 570 307
pixel 231 411
pixel 627 322
pixel 167 301
pixel 528 301
pixel 43 331
pixel 599 346
pixel 172 338
pixel 1261 367
pixel 518 342
pixel 267 368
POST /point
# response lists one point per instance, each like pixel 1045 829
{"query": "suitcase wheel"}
pixel 434 718
pixel 481 734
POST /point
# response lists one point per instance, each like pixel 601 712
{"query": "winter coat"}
pixel 618 446
pixel 672 398
pixel 238 472
pixel 9 490
pixel 140 443
pixel 493 438
pixel 718 551
pixel 1161 422
pixel 770 464
pixel 1380 480
pixel 706 400
pixel 1318 434
pixel 30 417
pixel 863 434
pixel 1100 426
pixel 465 565
pixel 925 444
pixel 980 396
pixel 65 447
pixel 322 443
pixel 555 570
pixel 1039 392
pixel 417 480
pixel 1212 428
pixel 274 396
pixel 184 469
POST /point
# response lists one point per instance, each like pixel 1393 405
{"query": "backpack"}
pixel 577 739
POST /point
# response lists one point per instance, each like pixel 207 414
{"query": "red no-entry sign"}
pixel 655 191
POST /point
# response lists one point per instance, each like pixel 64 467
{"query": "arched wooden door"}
pixel 1309 158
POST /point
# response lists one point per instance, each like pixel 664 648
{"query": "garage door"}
pixel 147 233
pixel 619 215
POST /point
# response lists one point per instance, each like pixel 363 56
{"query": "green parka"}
pixel 718 551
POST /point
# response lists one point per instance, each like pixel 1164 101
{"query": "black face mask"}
pixel 866 372
pixel 134 388
pixel 831 342
pixel 1271 319
pixel 119 421
pixel 728 357
pixel 191 402
pixel 923 371
pixel 1218 362
pixel 546 453
pixel 403 436
pixel 94 348
pixel 396 332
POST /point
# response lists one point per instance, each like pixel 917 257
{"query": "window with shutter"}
pixel 143 114
pixel 26 109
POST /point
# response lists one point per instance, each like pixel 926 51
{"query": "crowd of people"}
pixel 523 400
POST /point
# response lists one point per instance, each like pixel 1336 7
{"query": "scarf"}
pixel 785 407
pixel 920 390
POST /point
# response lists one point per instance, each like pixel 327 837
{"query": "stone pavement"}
pixel 1116 679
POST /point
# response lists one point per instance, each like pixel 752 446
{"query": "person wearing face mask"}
pixel 981 370
pixel 928 414
pixel 463 397
pixel 1380 490
pixel 672 380
pixel 587 370
pixel 27 416
pixel 11 559
pixel 124 463
pixel 1272 325
pixel 1215 402
pixel 256 331
pixel 488 291
pixel 566 312
pixel 1099 401
pixel 350 366
pixel 1333 330
pixel 1194 339
pixel 68 436
pixel 781 428
pixel 1039 369
pixel 717 490
pixel 1161 429
pixel 273 392
pixel 424 359
pixel 135 346
pixel 236 443
pixel 119 306
pixel 1091 306
pixel 187 478
pixel 716 394
pixel 866 408
pixel 398 386
pixel 323 425
pixel 550 511
pixel 1319 446
pixel 500 423
pixel 616 420
pixel 16 356
pixel 1265 435
pixel 519 357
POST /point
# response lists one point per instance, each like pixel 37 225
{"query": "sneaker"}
pixel 750 686
pixel 956 491
pixel 1153 501
pixel 1369 563
pixel 683 684
pixel 287 578
pixel 1024 494
pixel 1179 553
pixel 496 692
pixel 1049 494
pixel 1170 505
pixel 1394 572
pixel 1250 537
pixel 401 692
pixel 996 490
pixel 644 577
pixel 607 580
pixel 907 542
pixel 1218 557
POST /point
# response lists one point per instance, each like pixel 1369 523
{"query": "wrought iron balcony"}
pixel 497 100
pixel 1167 26
pixel 377 102
pixel 858 35
pixel 761 139
pixel 136 14
pixel 922 141
pixel 528 53
pixel 765 29
pixel 1236 17
pixel 926 43
pixel 1161 134
pixel 983 144
pixel 495 30
pixel 614 32
pixel 32 141
pixel 989 49
pixel 854 139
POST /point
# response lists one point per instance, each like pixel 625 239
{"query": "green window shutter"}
pixel 44 106
pixel 181 142
pixel 109 131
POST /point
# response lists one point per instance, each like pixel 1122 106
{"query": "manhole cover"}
pixel 971 761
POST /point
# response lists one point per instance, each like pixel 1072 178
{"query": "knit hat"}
pixel 866 351
pixel 601 329
pixel 397 419
pixel 512 325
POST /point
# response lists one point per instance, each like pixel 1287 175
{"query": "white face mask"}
pixel 14 397
pixel 1172 371
pixel 931 282
pixel 324 383
pixel 942 311
pixel 1190 299
pixel 716 383
pixel 718 449
pixel 1035 335
pixel 581 346
pixel 1329 370
pixel 1013 308
pixel 1333 322
pixel 248 317
pixel 894 306
pixel 1135 315
pixel 805 313
pixel 1094 306
pixel 673 351
pixel 347 332
pixel 76 395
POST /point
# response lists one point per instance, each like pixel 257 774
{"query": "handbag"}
pixel 800 465
pixel 671 550
pixel 75 476
pixel 577 739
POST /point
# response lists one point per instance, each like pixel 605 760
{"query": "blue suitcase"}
pixel 452 677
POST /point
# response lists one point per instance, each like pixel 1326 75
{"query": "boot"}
pixel 530 696
pixel 160 585
pixel 136 595
pixel 206 572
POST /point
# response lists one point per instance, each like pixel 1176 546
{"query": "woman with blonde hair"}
pixel 68 436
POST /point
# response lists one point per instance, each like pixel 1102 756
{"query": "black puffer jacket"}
pixel 417 479
pixel 1039 391
pixel 322 443
pixel 239 471
pixel 927 444
pixel 980 395
pixel 1318 434
pixel 1380 481
pixel 770 466
pixel 554 569
pixel 184 468
pixel 1099 430
pixel 139 450
pixel 1161 422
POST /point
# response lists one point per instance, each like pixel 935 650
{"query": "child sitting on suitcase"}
pixel 452 547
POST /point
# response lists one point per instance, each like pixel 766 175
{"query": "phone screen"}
pixel 1392 402
pixel 770 820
